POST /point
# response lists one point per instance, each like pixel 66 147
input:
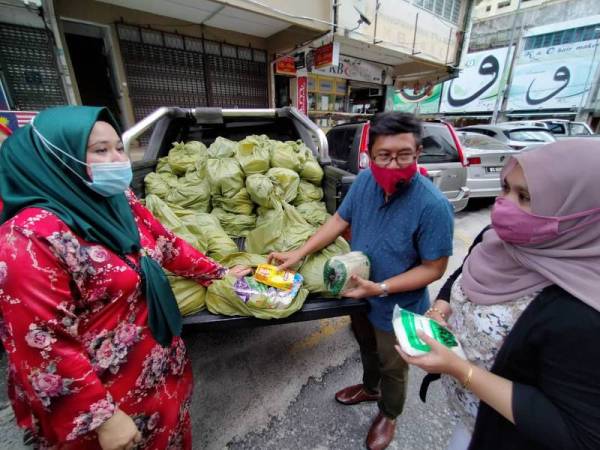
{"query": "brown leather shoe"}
pixel 381 433
pixel 355 394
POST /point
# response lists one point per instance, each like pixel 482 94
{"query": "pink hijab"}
pixel 563 179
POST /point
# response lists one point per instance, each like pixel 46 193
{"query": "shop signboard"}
pixel 285 65
pixel 553 77
pixel 409 100
pixel 302 85
pixel 326 55
pixel 476 88
pixel 356 69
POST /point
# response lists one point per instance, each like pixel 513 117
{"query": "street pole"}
pixel 502 85
pixel 587 78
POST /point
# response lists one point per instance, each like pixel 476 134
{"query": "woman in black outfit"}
pixel 525 306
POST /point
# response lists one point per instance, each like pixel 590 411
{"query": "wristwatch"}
pixel 384 289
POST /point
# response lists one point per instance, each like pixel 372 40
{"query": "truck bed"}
pixel 205 124
pixel 314 308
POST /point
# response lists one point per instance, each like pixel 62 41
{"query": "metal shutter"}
pixel 29 67
pixel 167 69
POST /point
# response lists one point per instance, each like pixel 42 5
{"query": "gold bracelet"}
pixel 434 309
pixel 467 381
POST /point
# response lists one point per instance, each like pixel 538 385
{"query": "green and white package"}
pixel 407 323
pixel 338 271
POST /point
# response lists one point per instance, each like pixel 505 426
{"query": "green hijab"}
pixel 32 175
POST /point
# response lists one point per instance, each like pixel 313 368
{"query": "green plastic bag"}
pixel 222 148
pixel 243 259
pixel 314 213
pixel 286 183
pixel 314 265
pixel 286 155
pixel 235 225
pixel 285 231
pixel 224 297
pixel 191 192
pixel 261 190
pixel 312 172
pixel 183 157
pixel 308 192
pixel 225 176
pixel 163 165
pixel 169 219
pixel 265 214
pixel 218 244
pixel 253 155
pixel 240 203
pixel 157 185
pixel 190 295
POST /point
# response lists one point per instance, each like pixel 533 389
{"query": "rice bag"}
pixel 406 324
pixel 253 155
pixel 222 148
pixel 338 271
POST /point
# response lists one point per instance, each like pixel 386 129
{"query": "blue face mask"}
pixel 108 179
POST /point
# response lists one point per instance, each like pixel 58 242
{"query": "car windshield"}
pixel 530 136
pixel 481 142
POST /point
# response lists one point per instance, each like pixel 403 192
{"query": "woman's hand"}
pixel 440 311
pixel 118 433
pixel 362 288
pixel 240 271
pixel 440 359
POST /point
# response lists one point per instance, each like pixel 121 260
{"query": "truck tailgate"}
pixel 314 308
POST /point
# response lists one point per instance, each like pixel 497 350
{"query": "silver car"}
pixel 516 136
pixel 486 157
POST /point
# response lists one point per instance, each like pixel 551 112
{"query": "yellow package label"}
pixel 269 275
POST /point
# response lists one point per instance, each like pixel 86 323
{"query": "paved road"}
pixel 273 387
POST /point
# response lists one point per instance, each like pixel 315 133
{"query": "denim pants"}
pixel 383 368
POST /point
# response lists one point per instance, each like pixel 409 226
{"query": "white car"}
pixel 516 136
pixel 485 157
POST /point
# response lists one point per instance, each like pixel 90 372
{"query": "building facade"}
pixel 134 56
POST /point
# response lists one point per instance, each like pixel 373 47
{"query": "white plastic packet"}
pixel 338 271
pixel 406 324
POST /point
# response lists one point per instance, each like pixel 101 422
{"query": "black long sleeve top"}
pixel 552 356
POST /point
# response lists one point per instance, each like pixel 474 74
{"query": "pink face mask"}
pixel 388 179
pixel 519 227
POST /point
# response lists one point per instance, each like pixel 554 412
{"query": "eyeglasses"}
pixel 386 159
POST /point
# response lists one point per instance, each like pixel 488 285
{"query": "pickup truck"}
pixel 167 125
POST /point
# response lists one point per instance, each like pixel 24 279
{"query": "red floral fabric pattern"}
pixel 73 321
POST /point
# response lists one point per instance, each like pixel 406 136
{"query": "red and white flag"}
pixel 24 117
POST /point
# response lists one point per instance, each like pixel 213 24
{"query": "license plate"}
pixel 493 169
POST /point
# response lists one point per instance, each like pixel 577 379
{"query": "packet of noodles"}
pixel 406 324
pixel 271 276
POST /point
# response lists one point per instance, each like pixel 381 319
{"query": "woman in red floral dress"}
pixel 91 363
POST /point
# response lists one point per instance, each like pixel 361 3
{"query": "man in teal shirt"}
pixel 404 224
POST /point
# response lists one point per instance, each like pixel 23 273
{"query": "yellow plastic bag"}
pixel 190 295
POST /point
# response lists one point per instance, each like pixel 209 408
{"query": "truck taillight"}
pixel 474 161
pixel 363 147
pixel 461 154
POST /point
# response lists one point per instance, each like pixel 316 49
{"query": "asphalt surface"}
pixel 273 387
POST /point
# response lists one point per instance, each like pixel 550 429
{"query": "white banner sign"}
pixel 357 69
pixel 553 77
pixel 476 87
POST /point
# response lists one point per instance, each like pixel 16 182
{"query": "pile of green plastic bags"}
pixel 266 191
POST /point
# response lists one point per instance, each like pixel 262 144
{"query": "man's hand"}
pixel 118 433
pixel 361 288
pixel 285 260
